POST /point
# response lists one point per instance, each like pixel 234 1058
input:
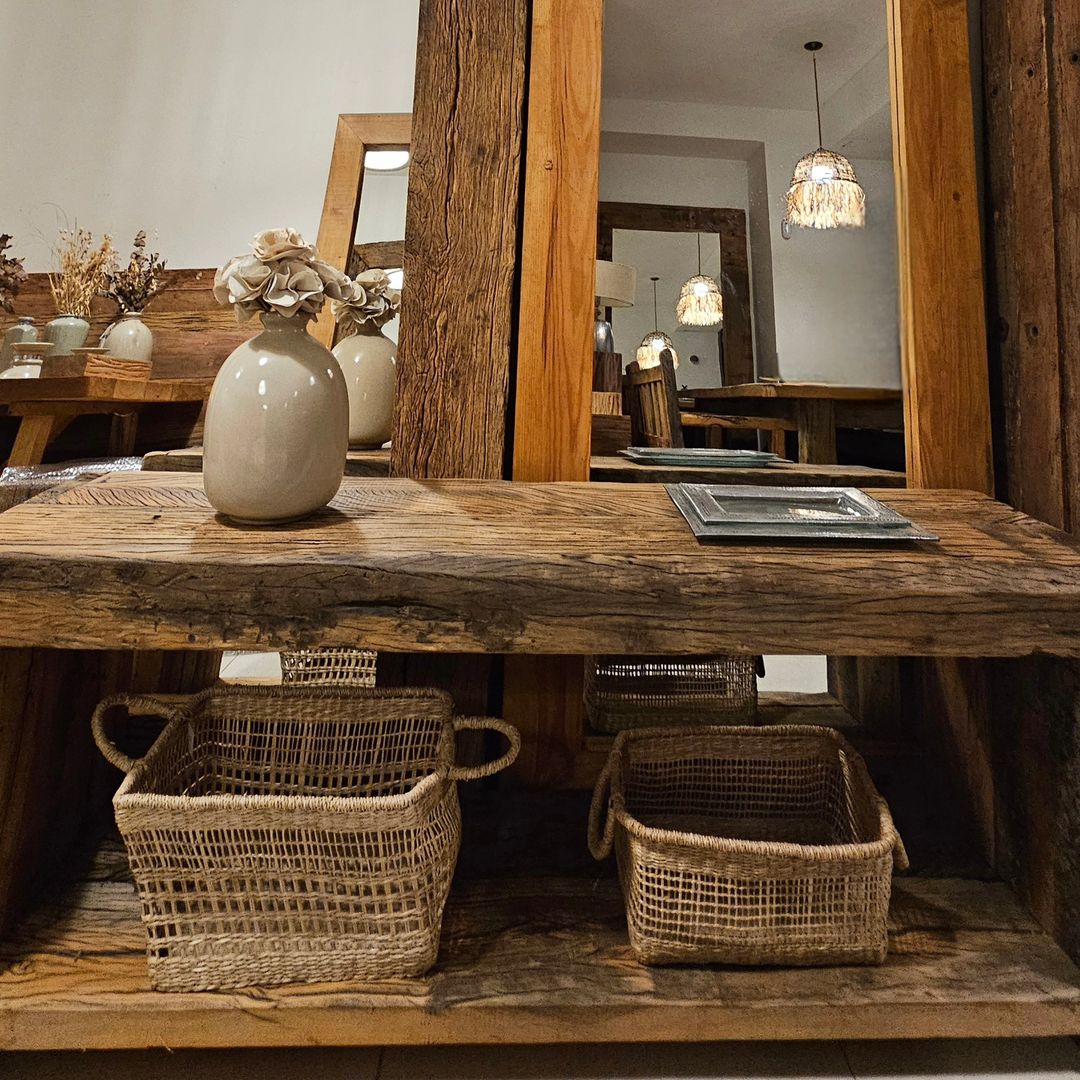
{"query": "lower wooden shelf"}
pixel 545 959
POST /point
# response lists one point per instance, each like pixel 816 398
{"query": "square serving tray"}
pixel 704 457
pixel 718 511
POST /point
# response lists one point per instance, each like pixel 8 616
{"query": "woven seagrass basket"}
pixel 280 835
pixel 329 667
pixel 764 846
pixel 625 692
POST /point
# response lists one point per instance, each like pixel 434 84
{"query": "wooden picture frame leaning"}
pixel 356 134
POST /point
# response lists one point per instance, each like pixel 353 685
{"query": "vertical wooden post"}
pixel 943 327
pixel 461 232
pixel 1031 54
pixel 553 403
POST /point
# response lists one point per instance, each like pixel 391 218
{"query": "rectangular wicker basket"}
pixel 280 835
pixel 624 692
pixel 764 846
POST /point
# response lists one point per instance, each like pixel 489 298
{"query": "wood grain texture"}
pixel 943 328
pixel 355 135
pixel 792 391
pixel 190 459
pixel 139 560
pixel 96 388
pixel 546 960
pixel 730 226
pixel 461 235
pixel 552 401
pixel 193 333
pixel 653 404
pixel 609 469
pixel 1032 95
pixel 377 255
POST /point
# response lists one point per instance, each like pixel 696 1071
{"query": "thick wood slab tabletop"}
pixel 97 388
pixel 792 390
pixel 604 469
pixel 617 469
pixel 140 560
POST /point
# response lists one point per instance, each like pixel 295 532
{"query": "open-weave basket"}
pixel 762 846
pixel 280 835
pixel 623 692
pixel 329 667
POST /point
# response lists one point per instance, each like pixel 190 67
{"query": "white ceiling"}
pixel 736 52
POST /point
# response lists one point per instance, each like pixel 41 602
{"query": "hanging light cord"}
pixel 817 99
pixel 655 310
pixel 699 254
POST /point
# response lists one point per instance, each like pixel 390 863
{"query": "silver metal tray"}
pixel 743 459
pixel 718 512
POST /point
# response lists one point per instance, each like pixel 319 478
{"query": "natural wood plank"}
pixel 461 236
pixel 95 388
pixel 190 459
pixel 356 134
pixel 792 391
pixel 552 400
pixel 534 568
pixel 943 331
pixel 377 255
pixel 620 470
pixel 545 959
pixel 817 431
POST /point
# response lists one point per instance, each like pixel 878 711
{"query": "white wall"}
pixel 202 122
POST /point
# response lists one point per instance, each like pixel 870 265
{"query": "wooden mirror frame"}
pixel 942 312
pixel 726 224
pixel 356 134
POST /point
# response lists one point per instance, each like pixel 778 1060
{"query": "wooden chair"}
pixel 652 401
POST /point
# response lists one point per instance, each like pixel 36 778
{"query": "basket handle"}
pixel 601 842
pixel 900 855
pixel 489 768
pixel 145 706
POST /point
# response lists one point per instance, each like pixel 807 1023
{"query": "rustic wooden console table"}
pixel 139 561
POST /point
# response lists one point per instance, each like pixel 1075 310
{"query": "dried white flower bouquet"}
pixel 283 275
pixel 369 301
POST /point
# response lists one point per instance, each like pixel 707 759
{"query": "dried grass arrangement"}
pixel 12 275
pixel 135 286
pixel 825 193
pixel 83 271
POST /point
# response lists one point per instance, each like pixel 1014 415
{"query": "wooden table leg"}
pixel 122 434
pixel 817 431
pixel 32 439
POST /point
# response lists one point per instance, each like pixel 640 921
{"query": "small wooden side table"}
pixel 47 406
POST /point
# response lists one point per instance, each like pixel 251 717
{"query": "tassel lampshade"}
pixel 700 303
pixel 825 193
pixel 655 342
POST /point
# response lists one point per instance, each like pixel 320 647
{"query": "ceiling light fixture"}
pixel 386 160
pixel 825 193
pixel 700 303
pixel 654 343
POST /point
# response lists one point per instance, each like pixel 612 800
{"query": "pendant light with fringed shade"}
pixel 825 193
pixel 700 303
pixel 655 342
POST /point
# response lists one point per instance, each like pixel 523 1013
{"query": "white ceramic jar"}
pixel 277 427
pixel 129 338
pixel 368 359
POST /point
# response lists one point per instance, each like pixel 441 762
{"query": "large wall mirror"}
pixel 711 111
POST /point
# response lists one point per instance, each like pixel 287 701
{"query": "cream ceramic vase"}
pixel 66 332
pixel 368 359
pixel 129 338
pixel 277 427
pixel 23 330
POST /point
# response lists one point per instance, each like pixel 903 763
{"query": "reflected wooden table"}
pixel 606 469
pixel 817 409
pixel 47 406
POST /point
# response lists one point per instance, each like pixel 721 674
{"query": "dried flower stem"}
pixel 82 271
